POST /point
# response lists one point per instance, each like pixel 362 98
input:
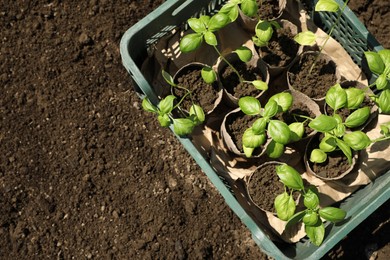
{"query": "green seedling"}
pixel 308 38
pixel 279 132
pixel 379 64
pixel 312 215
pixel 333 127
pixel 263 32
pixel 181 126
pixel 204 29
pixel 231 8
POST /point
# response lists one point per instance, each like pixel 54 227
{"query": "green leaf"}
pixel 164 120
pixel 381 82
pixel 259 125
pixel 384 101
pixel 168 78
pixel 166 104
pixel 306 38
pixel 358 117
pixel 328 143
pixel 336 97
pixel 279 131
pixel 311 200
pixel 208 75
pixel 323 123
pixel 252 140
pixel 297 131
pixel 316 233
pixel 355 97
pixel 332 214
pixel 249 7
pixel 204 19
pixel 147 106
pixel 231 10
pixel 270 109
pixel 260 85
pixel 210 38
pixel 318 156
pixel 374 62
pixel 197 25
pixel 218 21
pixel 250 105
pixel 191 42
pixel 339 131
pixel 244 53
pixel 284 100
pixel 258 42
pixel 327 6
pixel 183 126
pixel 310 218
pixel 198 112
pixel 264 31
pixel 385 56
pixel 274 150
pixel 346 149
pixel 248 151
pixel 295 219
pixel 357 140
pixel 285 206
pixel 385 129
pixel 289 177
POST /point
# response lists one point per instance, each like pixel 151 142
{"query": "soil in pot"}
pixel 264 185
pixel 268 9
pixel 316 83
pixel 203 94
pixel 281 49
pixel 232 84
pixel 335 166
pixel 236 124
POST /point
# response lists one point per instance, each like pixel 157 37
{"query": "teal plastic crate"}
pixel 352 35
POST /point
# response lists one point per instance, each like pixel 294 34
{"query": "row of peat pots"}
pixel 284 114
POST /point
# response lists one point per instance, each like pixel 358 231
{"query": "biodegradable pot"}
pixel 282 50
pixel 233 89
pixel 315 84
pixel 269 10
pixel 334 168
pixel 208 96
pixel 263 185
pixel 345 112
pixel 233 127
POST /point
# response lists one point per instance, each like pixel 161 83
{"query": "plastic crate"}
pixel 353 36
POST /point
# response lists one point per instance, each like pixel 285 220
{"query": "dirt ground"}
pixel 86 174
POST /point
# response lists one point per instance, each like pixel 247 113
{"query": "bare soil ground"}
pixel 86 174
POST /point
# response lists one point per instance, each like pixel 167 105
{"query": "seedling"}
pixel 204 29
pixel 313 214
pixel 379 64
pixel 279 132
pixel 231 8
pixel 333 127
pixel 308 38
pixel 181 126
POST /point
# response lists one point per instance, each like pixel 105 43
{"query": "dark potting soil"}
pixel 268 9
pixel 264 186
pixel 281 49
pixel 203 94
pixel 231 81
pixel 316 83
pixel 236 124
